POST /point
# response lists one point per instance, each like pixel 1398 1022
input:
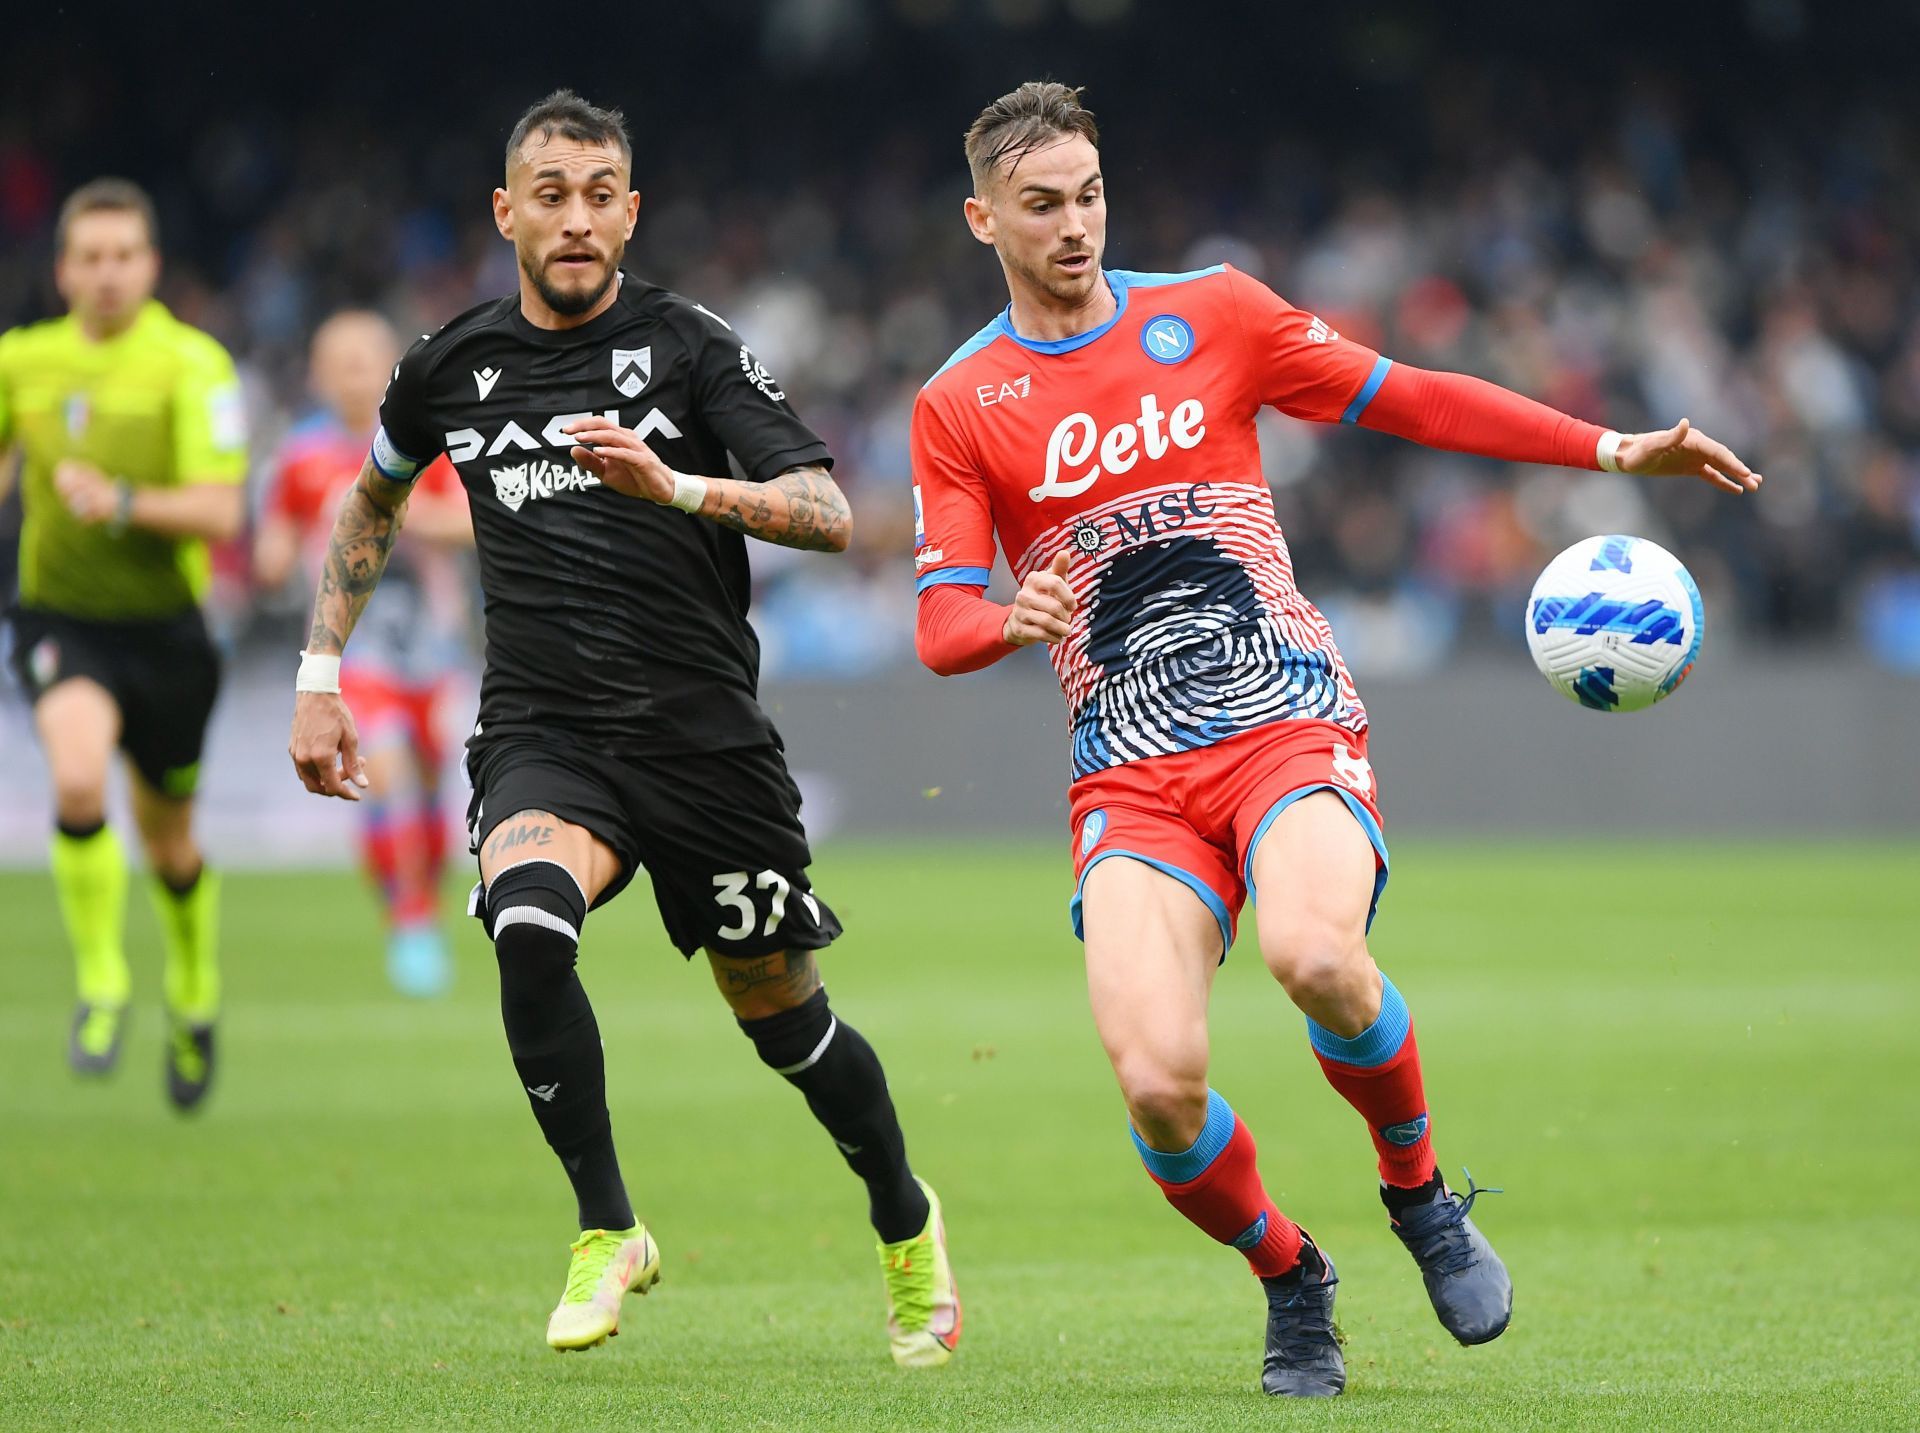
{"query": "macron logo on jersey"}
pixel 1152 435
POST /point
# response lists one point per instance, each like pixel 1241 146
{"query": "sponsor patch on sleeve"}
pixel 227 418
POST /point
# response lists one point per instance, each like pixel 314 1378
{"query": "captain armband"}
pixel 394 465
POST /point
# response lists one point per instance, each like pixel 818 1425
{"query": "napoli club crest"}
pixel 632 368
pixel 1167 339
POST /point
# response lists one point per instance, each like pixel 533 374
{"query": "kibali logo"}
pixel 519 484
pixel 1077 440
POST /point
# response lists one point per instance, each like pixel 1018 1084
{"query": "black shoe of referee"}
pixel 189 1064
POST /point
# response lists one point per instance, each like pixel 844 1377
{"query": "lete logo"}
pixel 1152 435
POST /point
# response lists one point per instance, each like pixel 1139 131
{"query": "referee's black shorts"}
pixel 164 675
pixel 718 832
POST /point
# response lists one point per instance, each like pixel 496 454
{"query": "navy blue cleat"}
pixel 1465 1279
pixel 1303 1346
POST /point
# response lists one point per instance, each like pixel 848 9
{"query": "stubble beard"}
pixel 571 303
pixel 1062 289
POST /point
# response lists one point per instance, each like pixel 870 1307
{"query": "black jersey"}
pixel 618 619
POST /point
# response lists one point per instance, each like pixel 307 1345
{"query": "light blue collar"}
pixel 1116 282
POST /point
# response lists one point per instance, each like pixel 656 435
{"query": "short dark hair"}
pixel 98 195
pixel 1023 119
pixel 564 113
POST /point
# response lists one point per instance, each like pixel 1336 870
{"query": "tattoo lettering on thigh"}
pixel 793 972
pixel 520 833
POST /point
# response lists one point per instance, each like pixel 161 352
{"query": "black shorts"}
pixel 163 675
pixel 718 832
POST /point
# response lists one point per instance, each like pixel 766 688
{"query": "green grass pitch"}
pixel 1692 1067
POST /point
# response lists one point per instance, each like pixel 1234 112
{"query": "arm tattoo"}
pixel 803 508
pixel 793 972
pixel 363 532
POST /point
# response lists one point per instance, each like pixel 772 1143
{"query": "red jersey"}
pixel 1132 447
pixel 414 629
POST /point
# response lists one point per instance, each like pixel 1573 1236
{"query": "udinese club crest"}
pixel 632 370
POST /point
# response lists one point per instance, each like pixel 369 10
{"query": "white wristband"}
pixel 1607 450
pixel 318 673
pixel 689 492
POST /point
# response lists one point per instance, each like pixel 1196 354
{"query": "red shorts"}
pixel 1198 815
pixel 385 709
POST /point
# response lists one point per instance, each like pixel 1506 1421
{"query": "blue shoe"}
pixel 1303 1346
pixel 1465 1279
pixel 417 961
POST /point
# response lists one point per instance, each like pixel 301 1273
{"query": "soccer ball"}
pixel 1615 623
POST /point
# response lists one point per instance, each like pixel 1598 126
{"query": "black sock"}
pixel 1397 1199
pixel 552 1033
pixel 182 887
pixel 830 1063
pixel 81 832
pixel 1312 1265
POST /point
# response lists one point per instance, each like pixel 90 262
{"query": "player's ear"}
pixel 503 213
pixel 633 210
pixel 980 218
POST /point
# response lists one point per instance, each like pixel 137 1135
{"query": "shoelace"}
pixel 592 1252
pixel 909 1271
pixel 1445 1248
pixel 1308 1323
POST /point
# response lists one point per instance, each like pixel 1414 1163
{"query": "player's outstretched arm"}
pixel 1684 451
pixel 1463 414
pixel 803 507
pixel 324 746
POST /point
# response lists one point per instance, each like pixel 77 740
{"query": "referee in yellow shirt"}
pixel 132 450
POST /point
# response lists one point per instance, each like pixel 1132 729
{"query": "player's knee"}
pixel 79 798
pixel 533 912
pixel 1168 1106
pixel 1314 958
pixel 791 1041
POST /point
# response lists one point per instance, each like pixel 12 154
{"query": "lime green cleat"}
pixel 923 1304
pixel 93 1048
pixel 607 1265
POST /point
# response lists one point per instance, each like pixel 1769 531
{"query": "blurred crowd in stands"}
pixel 1631 259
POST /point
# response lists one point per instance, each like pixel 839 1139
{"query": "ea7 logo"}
pixel 990 394
pixel 1318 332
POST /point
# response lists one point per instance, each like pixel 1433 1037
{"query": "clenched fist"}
pixel 1043 607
